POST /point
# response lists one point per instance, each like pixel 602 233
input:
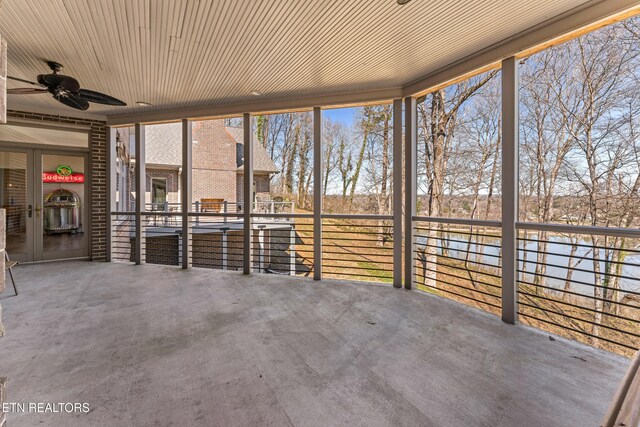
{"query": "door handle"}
pixel 38 209
pixel 30 211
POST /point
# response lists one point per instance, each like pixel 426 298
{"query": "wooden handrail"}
pixel 625 407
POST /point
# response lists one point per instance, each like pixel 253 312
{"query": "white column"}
pixel 410 188
pixel 397 193
pixel 140 191
pixel 509 189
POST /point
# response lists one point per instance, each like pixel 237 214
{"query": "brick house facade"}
pixel 217 162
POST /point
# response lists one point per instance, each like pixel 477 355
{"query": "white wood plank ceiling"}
pixel 185 54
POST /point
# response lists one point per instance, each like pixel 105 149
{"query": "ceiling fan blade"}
pixel 100 98
pixel 26 91
pixel 24 81
pixel 73 101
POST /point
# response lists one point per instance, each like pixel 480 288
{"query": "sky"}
pixel 343 115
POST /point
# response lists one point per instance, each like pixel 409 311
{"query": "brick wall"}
pixel 214 161
pixel 97 166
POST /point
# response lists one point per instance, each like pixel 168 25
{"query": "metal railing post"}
pixel 186 178
pixel 410 189
pixel 317 193
pixel 140 190
pixel 225 248
pixel 397 193
pixel 247 192
pixel 509 189
pixel 292 250
pixel 261 248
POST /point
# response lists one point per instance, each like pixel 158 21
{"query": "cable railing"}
pixel 216 240
pixel 162 236
pixel 357 247
pixel 459 259
pixel 282 244
pixel 581 282
pixel 576 281
pixel 223 206
pixel 123 226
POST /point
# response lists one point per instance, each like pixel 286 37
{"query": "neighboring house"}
pixel 217 163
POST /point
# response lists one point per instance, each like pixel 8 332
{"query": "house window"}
pixel 158 191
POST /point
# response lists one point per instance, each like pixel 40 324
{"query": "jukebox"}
pixel 62 212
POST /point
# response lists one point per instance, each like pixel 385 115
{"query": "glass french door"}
pixel 45 197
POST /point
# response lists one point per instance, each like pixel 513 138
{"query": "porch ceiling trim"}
pixel 287 104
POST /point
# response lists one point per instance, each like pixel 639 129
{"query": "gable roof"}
pixel 262 162
pixel 163 144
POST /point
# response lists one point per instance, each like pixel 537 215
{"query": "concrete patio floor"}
pixel 153 345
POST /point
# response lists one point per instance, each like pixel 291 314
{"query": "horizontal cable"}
pixel 461 277
pixel 359 233
pixel 280 215
pixel 591 322
pixel 621 276
pixel 579 245
pixel 327 273
pixel 591 297
pixel 459 221
pixel 459 268
pixel 489 294
pixel 357 216
pixel 465 242
pixel 347 239
pixel 455 293
pixel 456 259
pixel 357 260
pixel 352 254
pixel 385 249
pixel 577 331
pixel 581 307
pixel 578 282
pixel 354 268
pixel 576 257
pixel 466 233
pixel 580 229
pixel 464 251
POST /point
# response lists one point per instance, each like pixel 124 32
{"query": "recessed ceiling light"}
pixel 143 103
pixel 255 93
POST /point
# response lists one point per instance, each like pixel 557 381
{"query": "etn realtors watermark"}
pixel 45 407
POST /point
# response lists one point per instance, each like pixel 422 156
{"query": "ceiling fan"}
pixel 64 89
